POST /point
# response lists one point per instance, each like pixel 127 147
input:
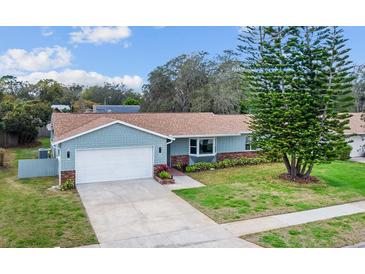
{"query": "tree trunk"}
pixel 293 170
pixel 309 171
pixel 286 162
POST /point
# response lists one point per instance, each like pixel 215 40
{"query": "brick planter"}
pixel 236 155
pixel 164 181
pixel 69 174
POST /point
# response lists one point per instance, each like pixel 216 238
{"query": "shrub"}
pixel 225 163
pixel 164 175
pixel 345 153
pixel 160 168
pixel 68 184
pixel 190 169
pixel 180 166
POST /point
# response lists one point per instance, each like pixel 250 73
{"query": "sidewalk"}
pixel 284 220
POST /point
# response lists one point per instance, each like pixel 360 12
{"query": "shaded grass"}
pixel 34 216
pixel 253 191
pixel 336 232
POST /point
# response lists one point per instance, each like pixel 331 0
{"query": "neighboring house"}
pixel 105 147
pixel 356 134
pixel 116 108
pixel 61 108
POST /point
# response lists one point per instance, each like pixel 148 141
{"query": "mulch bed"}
pixel 309 180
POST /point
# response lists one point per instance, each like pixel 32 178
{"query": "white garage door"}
pixel 357 144
pixel 100 165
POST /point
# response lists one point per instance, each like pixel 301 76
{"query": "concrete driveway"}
pixel 143 213
pixel 358 159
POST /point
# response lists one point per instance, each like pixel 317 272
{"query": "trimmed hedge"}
pixel 226 163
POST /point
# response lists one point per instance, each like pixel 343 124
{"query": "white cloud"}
pixel 17 61
pixel 127 44
pixel 46 31
pixel 87 78
pixel 100 35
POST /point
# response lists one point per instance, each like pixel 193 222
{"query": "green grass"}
pixel 336 232
pixel 253 191
pixel 33 216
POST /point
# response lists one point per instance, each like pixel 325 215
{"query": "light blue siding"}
pixel 180 147
pixel 116 135
pixel 231 144
pixel 37 168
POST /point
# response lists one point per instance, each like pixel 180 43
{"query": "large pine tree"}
pixel 299 84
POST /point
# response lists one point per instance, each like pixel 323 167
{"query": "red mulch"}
pixel 309 180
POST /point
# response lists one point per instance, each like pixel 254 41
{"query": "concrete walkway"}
pixel 290 219
pixel 184 182
pixel 359 245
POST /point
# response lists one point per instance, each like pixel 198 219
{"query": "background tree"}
pixel 23 119
pixel 24 107
pixel 299 84
pixel 172 85
pixel 131 101
pixel 110 94
pixel 49 91
pixel 82 105
pixel 192 83
pixel 12 86
pixel 222 94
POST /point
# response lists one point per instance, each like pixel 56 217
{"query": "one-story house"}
pixel 97 147
pixel 356 134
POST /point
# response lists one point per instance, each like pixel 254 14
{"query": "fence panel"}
pixel 44 132
pixel 37 168
pixel 8 140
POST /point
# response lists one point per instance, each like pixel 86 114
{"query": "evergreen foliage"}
pixel 300 88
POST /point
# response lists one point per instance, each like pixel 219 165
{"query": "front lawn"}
pixel 239 193
pixel 336 232
pixel 33 216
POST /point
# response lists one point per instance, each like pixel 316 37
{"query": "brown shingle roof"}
pixel 357 125
pixel 171 124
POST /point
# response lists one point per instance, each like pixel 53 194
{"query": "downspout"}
pixel 168 143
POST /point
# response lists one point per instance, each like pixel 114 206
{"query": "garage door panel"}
pixel 113 164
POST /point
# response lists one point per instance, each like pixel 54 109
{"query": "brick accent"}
pixel 69 174
pixel 182 159
pixel 236 155
pixel 164 181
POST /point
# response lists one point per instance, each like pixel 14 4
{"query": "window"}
pixel 249 143
pixel 159 149
pixel 193 144
pixel 206 146
pixel 68 154
pixel 202 146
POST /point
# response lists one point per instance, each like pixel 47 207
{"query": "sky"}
pixel 94 55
